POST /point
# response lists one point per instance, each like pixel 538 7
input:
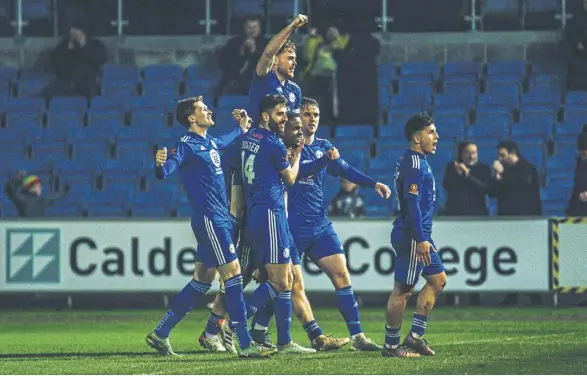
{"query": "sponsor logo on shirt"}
pixel 413 189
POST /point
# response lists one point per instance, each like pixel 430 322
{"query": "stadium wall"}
pixel 150 260
pixel 395 48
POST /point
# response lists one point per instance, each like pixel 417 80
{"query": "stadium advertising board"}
pixel 572 254
pixel 153 256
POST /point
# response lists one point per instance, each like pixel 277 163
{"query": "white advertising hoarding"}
pixel 572 254
pixel 145 256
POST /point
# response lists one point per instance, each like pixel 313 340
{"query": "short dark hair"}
pixel 306 102
pixel 185 108
pixel 417 123
pixel 288 45
pixel 510 146
pixel 270 101
pixel 292 115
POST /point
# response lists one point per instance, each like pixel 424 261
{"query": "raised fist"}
pixel 161 157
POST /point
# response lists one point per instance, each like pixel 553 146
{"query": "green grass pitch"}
pixel 466 340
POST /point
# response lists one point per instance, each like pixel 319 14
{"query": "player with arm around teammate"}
pixel 313 232
pixel 265 172
pixel 197 159
pixel 411 239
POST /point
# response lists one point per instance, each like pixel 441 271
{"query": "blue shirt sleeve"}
pixel 174 160
pixel 313 167
pixel 298 103
pixel 341 168
pixel 412 191
pixel 225 140
pixel 279 156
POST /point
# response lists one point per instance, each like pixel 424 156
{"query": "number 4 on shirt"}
pixel 248 168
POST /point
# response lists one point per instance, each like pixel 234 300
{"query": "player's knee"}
pixel 341 279
pixel 439 283
pixel 283 282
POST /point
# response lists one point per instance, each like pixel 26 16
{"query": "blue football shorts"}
pixel 215 241
pixel 407 269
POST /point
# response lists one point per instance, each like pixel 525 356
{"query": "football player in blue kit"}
pixel 266 169
pixel 196 157
pixel 313 232
pixel 275 70
pixel 411 238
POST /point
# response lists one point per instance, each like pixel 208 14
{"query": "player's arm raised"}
pixel 266 61
pixel 165 165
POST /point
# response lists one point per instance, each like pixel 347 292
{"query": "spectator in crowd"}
pixel 356 74
pixel 26 192
pixel 319 77
pixel 238 59
pixel 516 184
pixel 577 206
pixel 348 202
pixel 576 38
pixel 77 60
pixel 466 180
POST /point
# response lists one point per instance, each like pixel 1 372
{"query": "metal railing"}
pixel 474 18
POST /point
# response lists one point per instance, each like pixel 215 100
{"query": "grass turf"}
pixel 466 340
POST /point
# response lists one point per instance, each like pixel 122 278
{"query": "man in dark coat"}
pixel 465 182
pixel 516 184
pixel 26 192
pixel 577 206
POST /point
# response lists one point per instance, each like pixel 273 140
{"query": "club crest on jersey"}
pixel 286 252
pixel 231 248
pixel 174 150
pixel 413 189
pixel 319 154
pixel 215 157
pixel 292 97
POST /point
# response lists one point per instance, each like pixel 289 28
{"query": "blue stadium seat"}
pixel 92 152
pixel 119 175
pixel 554 208
pixel 154 119
pixel 513 67
pixel 501 100
pixel 391 133
pixel 391 153
pixel 135 133
pixel 106 120
pixel 450 128
pixel 428 69
pixel 503 88
pixel 354 132
pixel 119 90
pixel 25 105
pixel 233 101
pixel 487 151
pixel 458 99
pixel 106 210
pixel 357 157
pixel 416 86
pixel 462 68
pixel 24 120
pixel 567 129
pixel 558 67
pixel 532 127
pixel 379 165
pixel 63 211
pixel 166 89
pixel 554 193
pixel 324 131
pixel 155 102
pixel 106 103
pixel 534 152
pixel 576 113
pixel 576 98
pixel 399 116
pixel 48 148
pixel 387 72
pixel 163 72
pixel 408 101
pixel 70 120
pixel 566 150
pixel 493 114
pixel 8 210
pixel 133 153
pixel 542 97
pixel 121 74
pixel 79 104
pixel 27 88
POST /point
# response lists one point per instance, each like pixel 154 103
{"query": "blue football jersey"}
pixel 263 156
pixel 269 84
pixel 305 203
pixel 415 189
pixel 199 163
